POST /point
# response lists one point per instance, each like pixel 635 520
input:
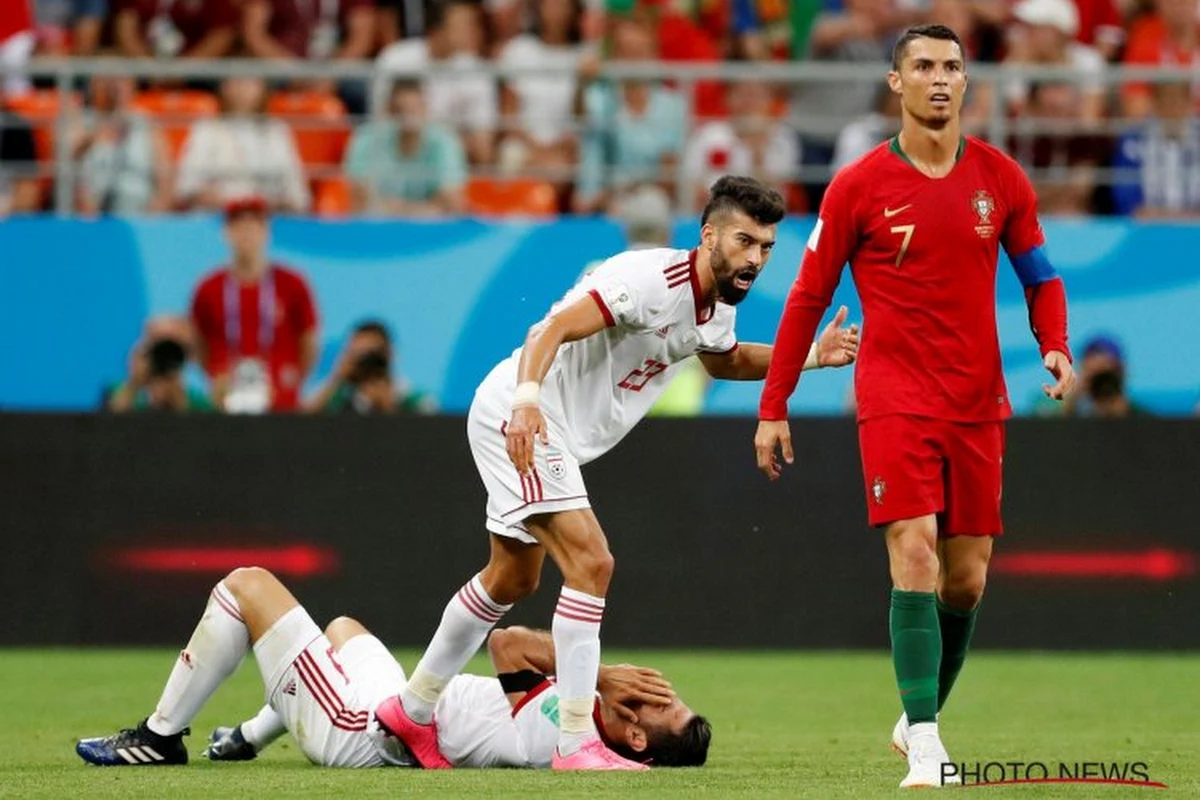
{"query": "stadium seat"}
pixel 175 111
pixel 40 108
pixel 332 197
pixel 517 196
pixel 318 121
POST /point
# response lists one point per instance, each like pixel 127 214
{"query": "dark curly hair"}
pixel 737 193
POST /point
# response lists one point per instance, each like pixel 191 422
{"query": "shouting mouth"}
pixel 744 279
pixel 939 98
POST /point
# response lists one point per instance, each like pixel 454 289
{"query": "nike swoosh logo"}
pixel 891 212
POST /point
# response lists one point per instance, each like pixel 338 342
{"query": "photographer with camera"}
pixel 155 381
pixel 362 382
pixel 1101 391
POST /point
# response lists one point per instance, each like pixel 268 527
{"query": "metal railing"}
pixel 67 75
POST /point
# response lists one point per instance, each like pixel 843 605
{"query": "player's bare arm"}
pixel 577 321
pixel 520 654
pixel 836 347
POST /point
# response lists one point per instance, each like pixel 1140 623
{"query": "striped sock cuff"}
pixel 476 600
pixel 580 606
pixel 225 601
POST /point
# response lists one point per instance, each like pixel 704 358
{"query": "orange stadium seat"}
pixel 519 196
pixel 40 108
pixel 318 121
pixel 332 197
pixel 175 111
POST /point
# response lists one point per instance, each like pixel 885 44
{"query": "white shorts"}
pixel 556 483
pixel 326 699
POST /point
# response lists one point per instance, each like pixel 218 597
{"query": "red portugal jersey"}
pixel 923 253
pixel 265 320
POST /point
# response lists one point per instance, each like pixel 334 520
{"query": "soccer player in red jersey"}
pixel 920 219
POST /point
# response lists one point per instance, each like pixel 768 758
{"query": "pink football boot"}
pixel 594 755
pixel 421 740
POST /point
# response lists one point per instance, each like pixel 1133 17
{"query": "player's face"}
pixel 932 81
pixel 739 248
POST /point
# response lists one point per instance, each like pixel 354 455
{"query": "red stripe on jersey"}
pixel 532 693
pixel 537 479
pixel 608 316
pixel 226 606
pixel 682 266
pixel 679 282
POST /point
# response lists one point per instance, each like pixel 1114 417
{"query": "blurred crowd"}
pixel 556 136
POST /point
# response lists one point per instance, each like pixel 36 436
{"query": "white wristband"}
pixel 812 362
pixel 527 394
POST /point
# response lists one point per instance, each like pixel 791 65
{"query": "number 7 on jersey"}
pixel 907 230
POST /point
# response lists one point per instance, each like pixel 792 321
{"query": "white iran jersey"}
pixel 478 727
pixel 599 387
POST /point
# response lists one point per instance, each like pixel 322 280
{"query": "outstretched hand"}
pixel 1060 367
pixel 837 346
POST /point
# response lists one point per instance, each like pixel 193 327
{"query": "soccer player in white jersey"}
pixel 326 688
pixel 585 376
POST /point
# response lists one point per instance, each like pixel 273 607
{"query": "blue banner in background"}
pixel 459 295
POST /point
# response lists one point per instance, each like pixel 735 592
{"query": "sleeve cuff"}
pixel 608 317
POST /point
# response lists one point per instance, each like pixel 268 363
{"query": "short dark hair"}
pixel 376 326
pixel 923 32
pixel 738 193
pixel 687 748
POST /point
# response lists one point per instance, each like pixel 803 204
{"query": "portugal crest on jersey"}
pixel 878 489
pixel 984 205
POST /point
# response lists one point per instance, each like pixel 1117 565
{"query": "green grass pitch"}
pixel 788 725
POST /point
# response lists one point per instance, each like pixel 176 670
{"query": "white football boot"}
pixel 926 755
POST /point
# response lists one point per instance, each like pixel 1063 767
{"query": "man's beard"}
pixel 727 292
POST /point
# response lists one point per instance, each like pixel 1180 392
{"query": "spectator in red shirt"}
pixel 322 29
pixel 175 28
pixel 1169 37
pixel 256 321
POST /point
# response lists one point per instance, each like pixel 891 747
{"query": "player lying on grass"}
pixel 336 692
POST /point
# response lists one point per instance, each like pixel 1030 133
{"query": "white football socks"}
pixel 576 631
pixel 469 617
pixel 217 646
pixel 263 728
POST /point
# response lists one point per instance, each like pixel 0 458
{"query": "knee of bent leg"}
pixel 343 629
pixel 246 581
